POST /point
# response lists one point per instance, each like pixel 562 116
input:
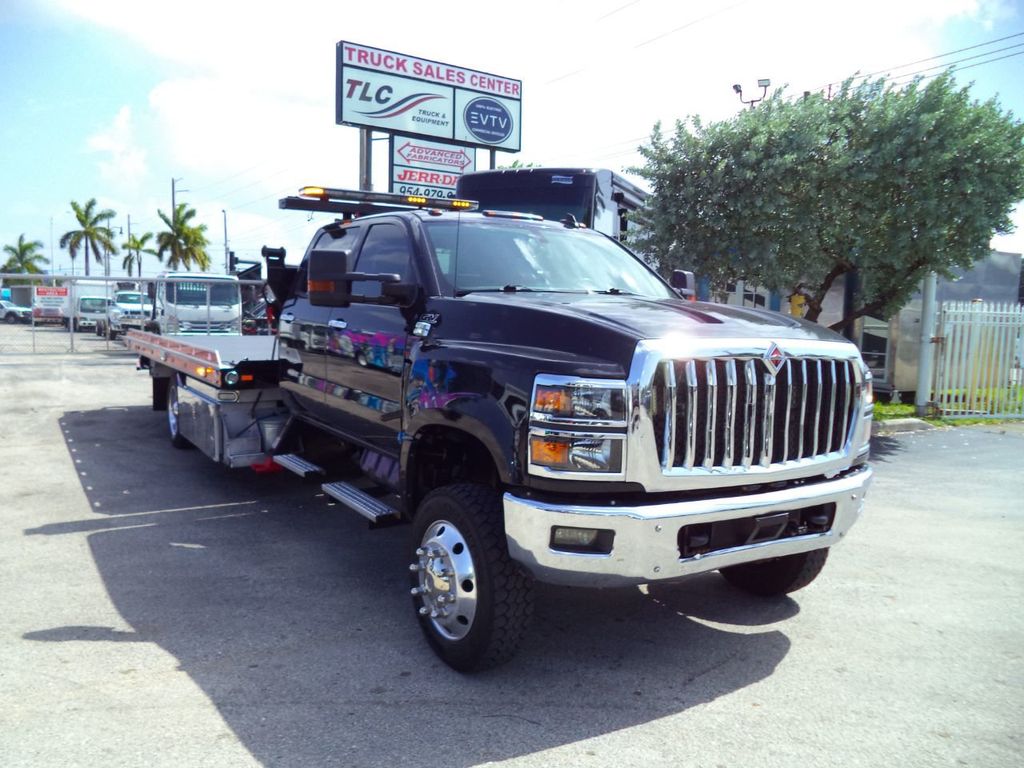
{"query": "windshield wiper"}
pixel 616 292
pixel 516 289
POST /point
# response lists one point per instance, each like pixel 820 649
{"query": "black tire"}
pixel 74 325
pixel 10 318
pixel 174 427
pixel 779 576
pixel 477 619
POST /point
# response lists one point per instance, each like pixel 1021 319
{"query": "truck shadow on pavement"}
pixel 295 621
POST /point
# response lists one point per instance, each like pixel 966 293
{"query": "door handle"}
pixel 287 317
pixel 338 325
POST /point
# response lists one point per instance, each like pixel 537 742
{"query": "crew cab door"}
pixel 303 331
pixel 366 348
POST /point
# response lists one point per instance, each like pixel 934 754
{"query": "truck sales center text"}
pixel 428 70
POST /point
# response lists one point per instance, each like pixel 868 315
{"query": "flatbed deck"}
pixel 205 357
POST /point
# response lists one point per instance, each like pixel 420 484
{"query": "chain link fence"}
pixel 61 314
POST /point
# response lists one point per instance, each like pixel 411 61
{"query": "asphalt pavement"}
pixel 160 610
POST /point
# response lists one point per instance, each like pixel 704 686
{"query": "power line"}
pixel 689 24
pixel 966 58
pixel 616 10
pixel 949 53
pixel 929 58
pixel 960 69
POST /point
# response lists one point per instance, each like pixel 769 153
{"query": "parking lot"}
pixel 161 610
pixel 21 338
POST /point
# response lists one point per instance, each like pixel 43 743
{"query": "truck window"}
pixel 385 250
pixel 195 293
pixel 333 239
pixel 490 255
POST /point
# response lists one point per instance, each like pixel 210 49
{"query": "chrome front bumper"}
pixel 645 546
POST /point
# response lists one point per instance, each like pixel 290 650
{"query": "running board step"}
pixel 374 510
pixel 295 463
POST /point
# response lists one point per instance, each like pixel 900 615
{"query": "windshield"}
pixel 482 255
pixel 93 305
pixel 128 297
pixel 196 292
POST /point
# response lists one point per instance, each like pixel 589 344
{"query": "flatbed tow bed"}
pixel 221 393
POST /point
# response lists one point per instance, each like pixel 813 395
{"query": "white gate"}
pixel 978 366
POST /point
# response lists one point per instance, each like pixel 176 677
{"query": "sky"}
pixel 235 101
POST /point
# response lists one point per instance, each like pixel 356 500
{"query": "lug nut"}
pixel 420 552
pixel 415 591
pixel 414 567
pixel 424 611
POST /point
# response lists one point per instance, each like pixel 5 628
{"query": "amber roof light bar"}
pixel 353 202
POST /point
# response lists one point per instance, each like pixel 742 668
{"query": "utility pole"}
pixel 926 358
pixel 227 253
pixel 174 199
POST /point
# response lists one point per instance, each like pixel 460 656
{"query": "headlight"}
pixel 578 427
pixel 586 401
pixel 577 453
pixel 869 387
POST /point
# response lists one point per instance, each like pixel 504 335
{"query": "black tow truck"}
pixel 537 403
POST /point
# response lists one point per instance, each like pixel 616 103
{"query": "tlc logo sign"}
pixel 382 95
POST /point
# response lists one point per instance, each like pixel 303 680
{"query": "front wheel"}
pixel 473 601
pixel 10 318
pixel 174 425
pixel 779 576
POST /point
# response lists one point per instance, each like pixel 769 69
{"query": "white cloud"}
pixel 124 162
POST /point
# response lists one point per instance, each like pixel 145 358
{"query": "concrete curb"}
pixel 900 426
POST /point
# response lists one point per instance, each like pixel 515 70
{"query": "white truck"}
pixel 129 308
pixel 187 303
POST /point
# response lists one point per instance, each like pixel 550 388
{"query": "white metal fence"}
pixel 978 365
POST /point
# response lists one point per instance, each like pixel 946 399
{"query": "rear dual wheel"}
pixel 174 425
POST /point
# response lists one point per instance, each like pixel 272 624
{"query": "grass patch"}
pixel 885 411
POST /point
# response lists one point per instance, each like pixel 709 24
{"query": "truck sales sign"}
pixel 393 92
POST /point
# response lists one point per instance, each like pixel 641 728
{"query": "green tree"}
pixel 183 242
pixel 24 257
pixel 879 182
pixel 94 233
pixel 135 246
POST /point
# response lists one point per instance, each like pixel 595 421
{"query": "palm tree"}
pixel 134 247
pixel 186 243
pixel 24 257
pixel 93 234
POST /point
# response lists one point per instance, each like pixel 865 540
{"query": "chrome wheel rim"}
pixel 172 409
pixel 446 580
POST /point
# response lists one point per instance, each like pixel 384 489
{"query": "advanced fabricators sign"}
pixel 427 168
pixel 397 93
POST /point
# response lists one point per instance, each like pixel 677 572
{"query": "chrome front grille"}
pixel 723 413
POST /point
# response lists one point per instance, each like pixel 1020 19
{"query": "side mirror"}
pixel 151 290
pixel 685 283
pixel 328 279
